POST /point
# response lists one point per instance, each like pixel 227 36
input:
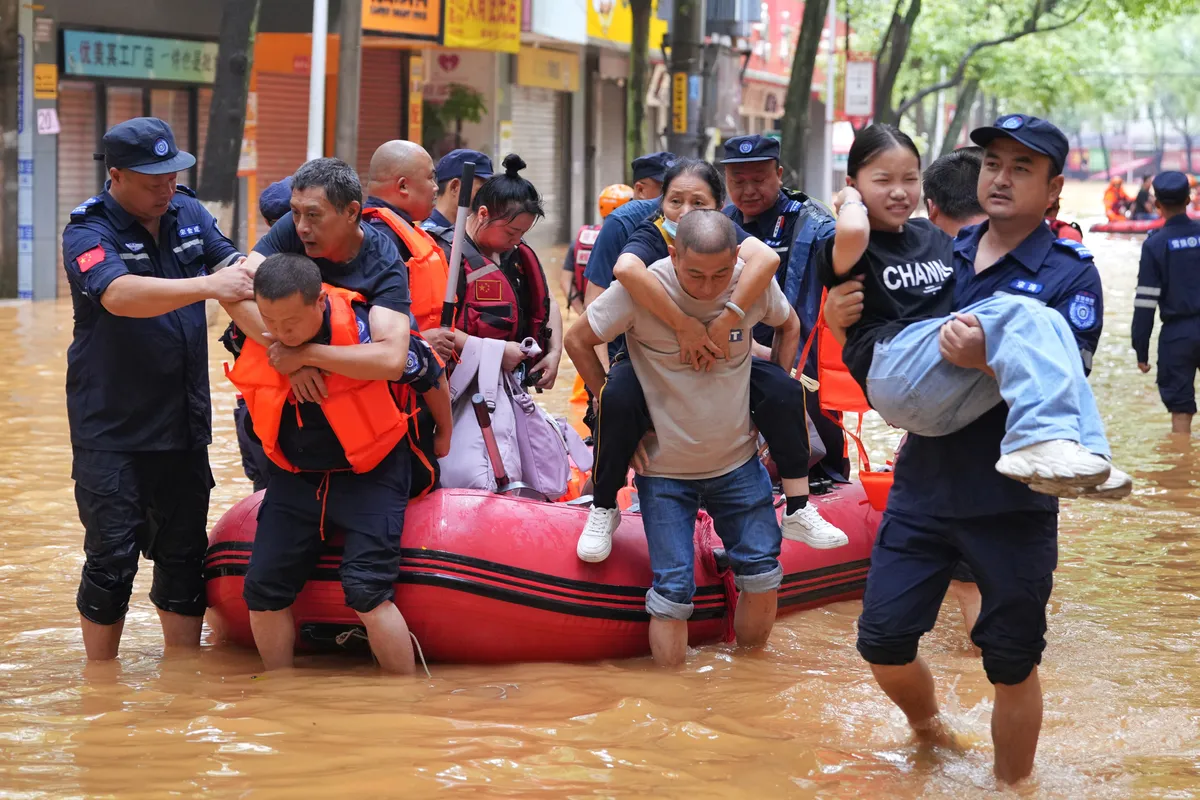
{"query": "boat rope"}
pixel 421 655
pixel 357 632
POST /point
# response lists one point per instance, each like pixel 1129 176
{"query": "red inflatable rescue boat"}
pixel 487 579
pixel 1135 225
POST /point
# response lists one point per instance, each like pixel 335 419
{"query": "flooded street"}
pixel 803 720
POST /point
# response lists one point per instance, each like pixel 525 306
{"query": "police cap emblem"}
pixel 746 147
pixel 161 148
pixel 1012 123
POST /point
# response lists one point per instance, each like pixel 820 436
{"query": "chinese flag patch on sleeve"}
pixel 91 258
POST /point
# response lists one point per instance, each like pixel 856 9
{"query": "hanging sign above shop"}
pixel 149 58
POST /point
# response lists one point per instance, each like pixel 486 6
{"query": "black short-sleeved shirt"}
pixel 907 276
pixel 647 242
pixel 136 385
pixel 377 272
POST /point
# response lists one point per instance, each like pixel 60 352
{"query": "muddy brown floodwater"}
pixel 802 720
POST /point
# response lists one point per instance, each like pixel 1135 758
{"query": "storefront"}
pixel 610 33
pixel 541 126
pixel 108 78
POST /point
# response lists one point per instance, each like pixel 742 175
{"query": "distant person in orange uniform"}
pixel 1115 200
pixel 1195 194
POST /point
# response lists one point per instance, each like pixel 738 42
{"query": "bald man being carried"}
pixel 401 190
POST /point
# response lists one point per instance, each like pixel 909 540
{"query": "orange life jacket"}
pixel 428 271
pixel 840 392
pixel 364 415
pixel 1115 201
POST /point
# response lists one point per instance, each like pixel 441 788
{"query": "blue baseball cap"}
pixel 276 199
pixel 451 165
pixel 1172 188
pixel 652 166
pixel 1036 134
pixel 748 149
pixel 145 145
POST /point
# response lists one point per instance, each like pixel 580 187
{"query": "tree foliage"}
pixel 1072 59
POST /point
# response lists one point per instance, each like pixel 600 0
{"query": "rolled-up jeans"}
pixel 1039 374
pixel 743 512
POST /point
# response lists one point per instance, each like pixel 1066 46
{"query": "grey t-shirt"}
pixel 702 419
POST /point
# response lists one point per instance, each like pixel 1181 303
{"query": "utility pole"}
pixel 687 63
pixel 316 80
pixel 11 88
pixel 349 79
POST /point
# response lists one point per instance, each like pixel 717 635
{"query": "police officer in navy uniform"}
pixel 142 257
pixel 792 224
pixel 948 502
pixel 649 172
pixel 1167 280
pixel 449 179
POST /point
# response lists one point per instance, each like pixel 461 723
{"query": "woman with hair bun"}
pixel 502 288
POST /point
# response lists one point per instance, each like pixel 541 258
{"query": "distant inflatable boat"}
pixel 491 579
pixel 1135 225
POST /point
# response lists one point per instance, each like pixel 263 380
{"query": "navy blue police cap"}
pixel 1172 188
pixel 652 166
pixel 451 165
pixel 748 149
pixel 276 200
pixel 1036 134
pixel 145 145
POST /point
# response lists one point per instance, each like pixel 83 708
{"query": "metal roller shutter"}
pixel 381 103
pixel 125 103
pixel 610 160
pixel 77 174
pixel 538 134
pixel 282 126
pixel 171 106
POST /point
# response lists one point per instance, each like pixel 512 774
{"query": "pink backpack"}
pixel 536 448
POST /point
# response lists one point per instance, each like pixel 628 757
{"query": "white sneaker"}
pixel 1056 466
pixel 595 543
pixel 808 526
pixel 1117 487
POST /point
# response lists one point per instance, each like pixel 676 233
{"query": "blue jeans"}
pixel 1039 374
pixel 743 513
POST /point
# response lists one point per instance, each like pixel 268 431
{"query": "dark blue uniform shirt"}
pixel 614 234
pixel 778 228
pixel 1168 279
pixel 648 244
pixel 955 475
pixel 437 220
pixel 137 385
pixel 377 272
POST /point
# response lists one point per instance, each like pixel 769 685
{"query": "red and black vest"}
pixel 508 301
pixel 1065 230
pixel 584 242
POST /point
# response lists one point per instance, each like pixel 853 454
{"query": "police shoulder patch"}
pixel 364 336
pixel 1075 247
pixel 1082 311
pixel 82 209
